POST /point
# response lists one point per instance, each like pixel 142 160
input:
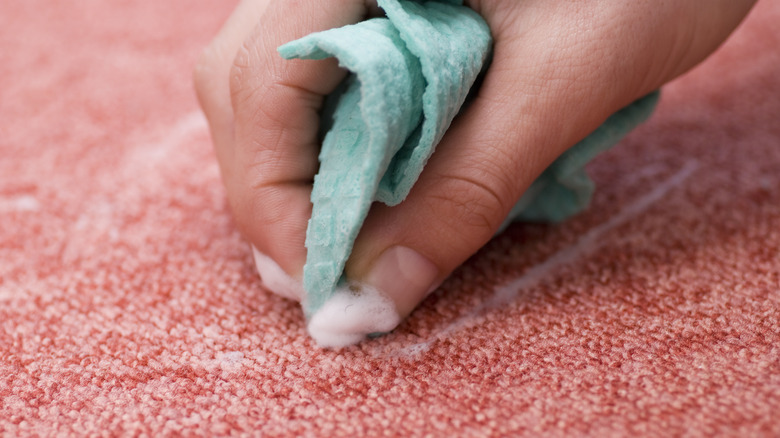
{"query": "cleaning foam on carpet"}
pixel 410 74
pixel 352 313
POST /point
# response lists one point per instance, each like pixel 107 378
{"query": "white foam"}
pixel 354 312
pixel 275 279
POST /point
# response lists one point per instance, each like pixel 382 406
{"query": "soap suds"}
pixel 275 279
pixel 354 312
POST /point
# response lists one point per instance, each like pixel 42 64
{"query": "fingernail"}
pixel 403 275
pixel 275 279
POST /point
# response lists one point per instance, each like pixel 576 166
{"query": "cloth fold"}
pixel 412 71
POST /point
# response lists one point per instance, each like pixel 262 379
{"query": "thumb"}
pixel 488 158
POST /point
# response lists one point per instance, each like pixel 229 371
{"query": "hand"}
pixel 559 70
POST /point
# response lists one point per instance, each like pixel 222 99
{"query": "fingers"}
pixel 263 115
pixel 212 72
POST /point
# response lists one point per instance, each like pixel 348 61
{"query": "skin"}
pixel 560 68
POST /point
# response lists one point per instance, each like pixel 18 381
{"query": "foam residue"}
pixel 275 279
pixel 24 203
pixel 353 312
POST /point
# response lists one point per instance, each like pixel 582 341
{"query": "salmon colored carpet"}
pixel 129 303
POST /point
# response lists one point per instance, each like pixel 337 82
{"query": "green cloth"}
pixel 411 73
pixel 564 189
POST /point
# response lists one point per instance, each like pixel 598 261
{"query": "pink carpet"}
pixel 129 303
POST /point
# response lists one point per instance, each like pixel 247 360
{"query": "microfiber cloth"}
pixel 411 71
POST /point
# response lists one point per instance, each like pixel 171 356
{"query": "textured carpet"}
pixel 129 303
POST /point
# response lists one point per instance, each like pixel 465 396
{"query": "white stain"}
pixel 231 358
pixel 587 244
pixel 23 203
pixel 157 151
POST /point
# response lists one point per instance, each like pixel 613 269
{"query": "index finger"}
pixel 275 104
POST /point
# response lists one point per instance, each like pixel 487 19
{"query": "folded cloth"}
pixel 410 73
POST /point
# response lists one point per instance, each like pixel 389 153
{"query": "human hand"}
pixel 559 70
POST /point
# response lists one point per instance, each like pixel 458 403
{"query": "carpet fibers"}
pixel 129 304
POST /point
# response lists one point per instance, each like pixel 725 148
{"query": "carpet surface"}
pixel 129 303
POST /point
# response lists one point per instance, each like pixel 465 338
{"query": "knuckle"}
pixel 267 205
pixel 474 206
pixel 242 71
pixel 258 208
